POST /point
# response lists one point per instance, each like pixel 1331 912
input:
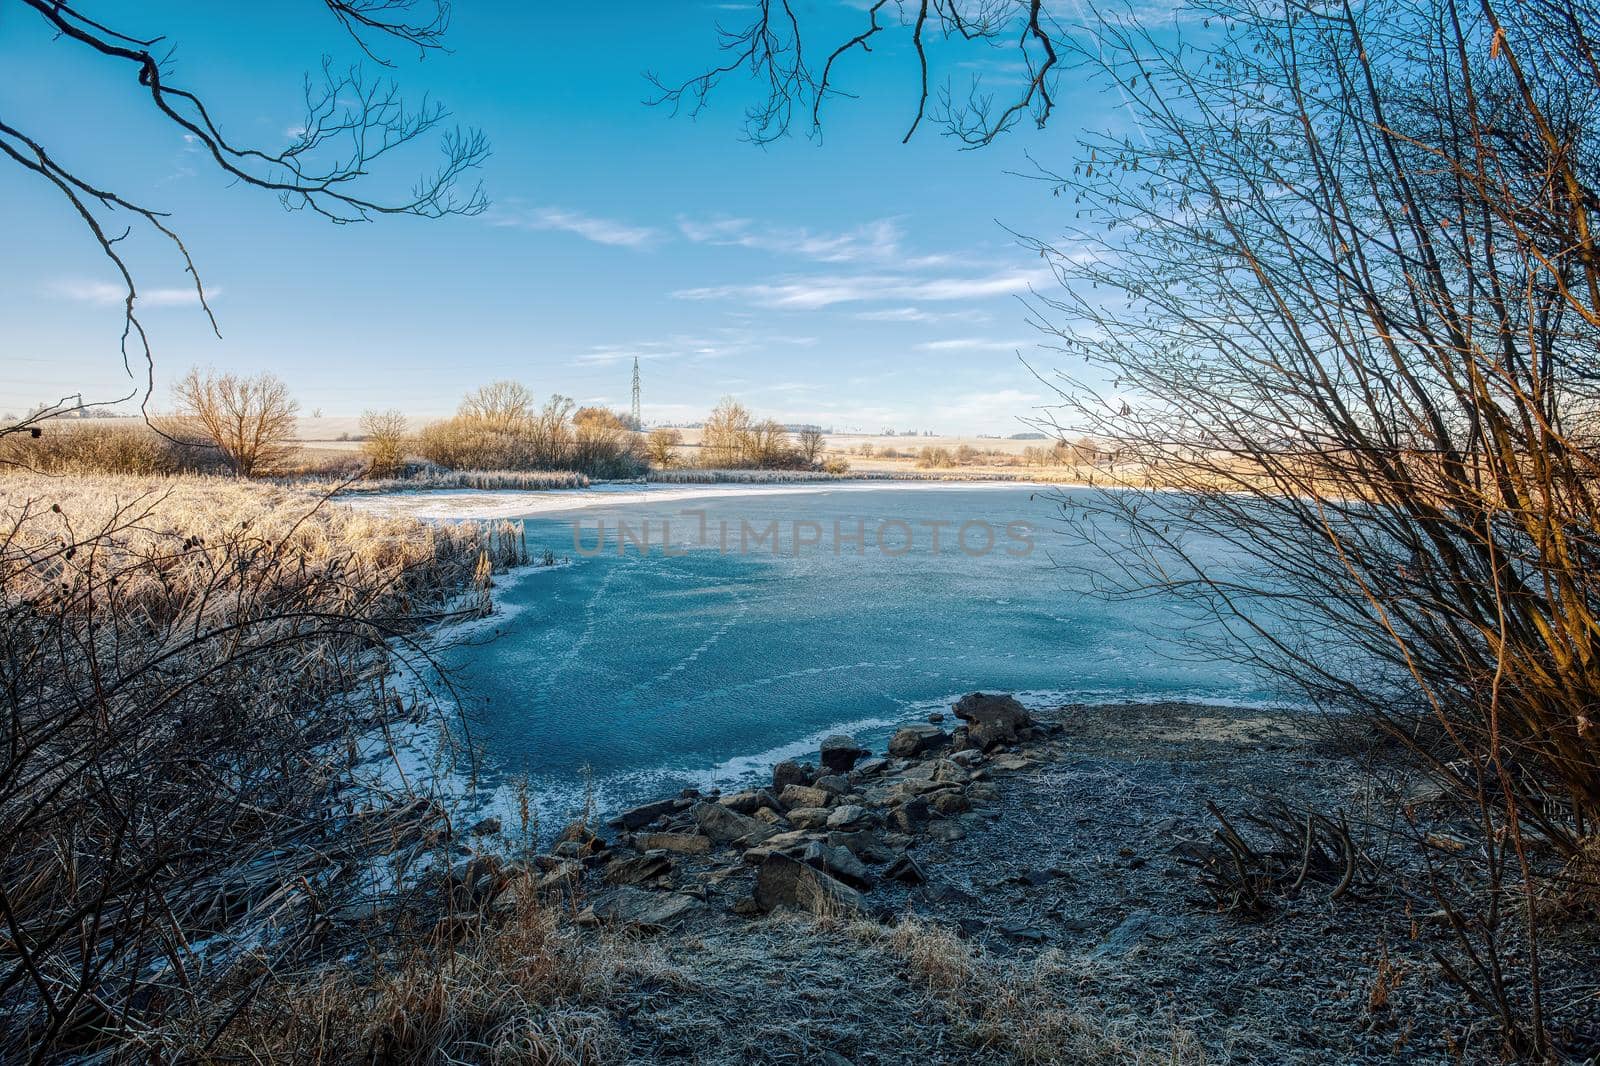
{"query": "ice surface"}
pixel 704 667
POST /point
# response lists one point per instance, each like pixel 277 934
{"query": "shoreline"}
pixel 455 505
pixel 1059 857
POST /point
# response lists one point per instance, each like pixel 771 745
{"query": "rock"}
pixel 475 883
pixel 562 877
pixel 683 843
pixel 647 910
pixel 789 772
pixel 914 740
pixel 803 796
pixel 746 907
pixel 851 817
pixel 952 895
pixel 840 753
pixel 769 816
pixel 641 816
pixel 638 869
pixel 809 817
pixel 1135 930
pixel 786 882
pixel 991 720
pixel 1013 763
pixel 794 838
pixel 871 767
pixel 969 758
pixel 839 863
pixel 1021 931
pixel 936 717
pixel 837 784
pixel 866 845
pixel 946 831
pixel 906 869
pixel 950 802
pixel 724 826
pixel 749 801
pixel 909 817
pixel 487 827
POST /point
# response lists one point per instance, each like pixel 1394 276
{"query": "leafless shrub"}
pixel 497 428
pixel 1302 848
pixel 662 447
pixel 249 420
pixel 384 445
pixel 196 680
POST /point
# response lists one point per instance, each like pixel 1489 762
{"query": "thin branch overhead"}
pixel 352 122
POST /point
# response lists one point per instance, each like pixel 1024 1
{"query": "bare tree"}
pixel 662 447
pixel 771 48
pixel 500 407
pixel 386 433
pixel 250 420
pixel 809 441
pixel 770 446
pixel 604 444
pixel 551 433
pixel 1355 309
pixel 352 123
pixel 725 439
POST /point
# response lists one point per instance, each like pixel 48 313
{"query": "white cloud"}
pixel 718 344
pixel 589 227
pixel 105 294
pixel 879 242
pixel 918 314
pixel 974 344
pixel 812 293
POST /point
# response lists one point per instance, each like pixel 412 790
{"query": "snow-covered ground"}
pixel 450 505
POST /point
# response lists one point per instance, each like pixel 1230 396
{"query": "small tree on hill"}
pixel 726 439
pixel 662 447
pixel 250 420
pixel 810 444
pixel 385 446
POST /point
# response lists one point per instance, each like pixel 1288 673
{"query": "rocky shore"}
pixel 821 837
pixel 1005 883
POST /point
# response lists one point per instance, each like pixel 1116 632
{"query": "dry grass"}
pixel 196 673
pixel 1021 1008
pixel 103 446
pixel 528 480
pixel 526 986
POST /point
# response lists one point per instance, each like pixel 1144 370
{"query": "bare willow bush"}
pixel 1341 285
pixel 195 782
pixel 498 428
pixel 385 434
pixel 250 421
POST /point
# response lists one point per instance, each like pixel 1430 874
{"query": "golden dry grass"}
pixel 1022 1008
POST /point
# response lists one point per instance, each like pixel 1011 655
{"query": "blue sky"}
pixel 855 282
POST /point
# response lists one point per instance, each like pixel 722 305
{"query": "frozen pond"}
pixel 734 628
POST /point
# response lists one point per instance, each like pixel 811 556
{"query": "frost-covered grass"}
pixel 693 476
pixel 193 669
pixel 523 480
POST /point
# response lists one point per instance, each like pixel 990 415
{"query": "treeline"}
pixel 498 427
pixel 732 439
pixel 246 426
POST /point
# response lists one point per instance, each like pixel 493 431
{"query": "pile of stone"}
pixel 819 837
